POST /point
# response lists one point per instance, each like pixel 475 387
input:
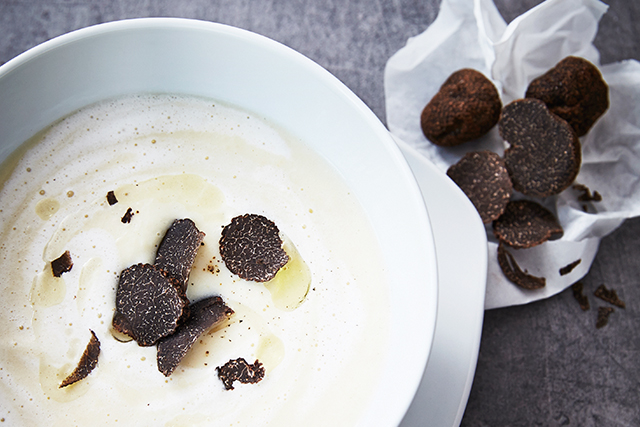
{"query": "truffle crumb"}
pixel 203 315
pixel 62 264
pixel 126 219
pixel 582 299
pixel 610 296
pixel 111 198
pixel 240 370
pixel 512 271
pixel 569 267
pixel 603 316
pixel 88 361
pixel 586 195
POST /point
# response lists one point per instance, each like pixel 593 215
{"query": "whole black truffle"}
pixel 466 107
pixel 574 90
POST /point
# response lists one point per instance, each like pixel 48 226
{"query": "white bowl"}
pixel 205 59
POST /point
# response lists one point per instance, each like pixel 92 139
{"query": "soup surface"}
pixel 319 328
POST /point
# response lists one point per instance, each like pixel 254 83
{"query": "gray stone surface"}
pixel 543 364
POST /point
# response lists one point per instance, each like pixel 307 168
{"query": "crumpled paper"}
pixel 473 34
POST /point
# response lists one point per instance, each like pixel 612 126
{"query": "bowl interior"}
pixel 260 75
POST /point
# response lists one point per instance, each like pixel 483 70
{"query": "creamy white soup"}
pixel 319 328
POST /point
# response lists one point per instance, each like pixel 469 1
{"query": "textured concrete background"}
pixel 542 364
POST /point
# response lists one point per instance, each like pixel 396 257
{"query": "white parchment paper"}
pixel 473 34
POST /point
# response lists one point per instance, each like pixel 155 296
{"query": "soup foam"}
pixel 169 157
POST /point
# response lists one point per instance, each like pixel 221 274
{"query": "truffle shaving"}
pixel 88 361
pixel 251 247
pixel 525 224
pixel 512 271
pixel 178 250
pixel 483 177
pixel 544 153
pixel 149 304
pixel 204 315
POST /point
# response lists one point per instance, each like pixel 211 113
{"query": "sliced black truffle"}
pixel 582 299
pixel 178 249
pixel 203 315
pixel 62 264
pixel 126 218
pixel 88 361
pixel 544 153
pixel 603 316
pixel 149 304
pixel 574 90
pixel 483 177
pixel 121 324
pixel 111 198
pixel 609 295
pixel 514 273
pixel 569 267
pixel 240 370
pixel 251 247
pixel 466 107
pixel 525 223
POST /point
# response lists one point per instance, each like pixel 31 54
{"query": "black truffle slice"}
pixel 251 247
pixel 483 177
pixel 178 250
pixel 574 90
pixel 121 324
pixel 62 264
pixel 111 198
pixel 609 295
pixel 582 299
pixel 149 303
pixel 204 315
pixel 88 361
pixel 240 370
pixel 466 107
pixel 603 316
pixel 544 153
pixel 512 271
pixel 525 223
pixel 569 267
